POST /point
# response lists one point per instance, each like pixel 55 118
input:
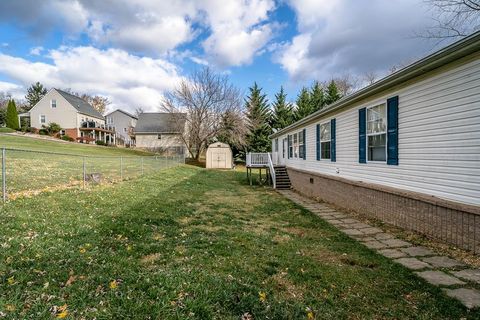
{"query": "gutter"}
pixel 455 51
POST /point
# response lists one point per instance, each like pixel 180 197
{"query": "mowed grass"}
pixel 189 243
pixel 56 165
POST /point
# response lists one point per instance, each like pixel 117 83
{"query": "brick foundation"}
pixel 72 133
pixel 454 223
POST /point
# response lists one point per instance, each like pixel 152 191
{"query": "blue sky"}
pixel 134 51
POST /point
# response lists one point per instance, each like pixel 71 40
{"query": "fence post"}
pixel 4 175
pixel 121 168
pixel 84 172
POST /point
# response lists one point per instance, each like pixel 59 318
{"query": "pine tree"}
pixel 282 111
pixel 12 116
pixel 34 93
pixel 332 93
pixel 317 96
pixel 304 105
pixel 258 116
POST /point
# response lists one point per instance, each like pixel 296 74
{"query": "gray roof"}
pixel 81 105
pixel 156 122
pixel 124 112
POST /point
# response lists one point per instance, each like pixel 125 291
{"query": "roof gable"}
pixel 81 105
pixel 124 112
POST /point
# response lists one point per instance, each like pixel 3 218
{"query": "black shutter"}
pixel 318 142
pixel 304 144
pixel 333 141
pixel 362 135
pixel 392 131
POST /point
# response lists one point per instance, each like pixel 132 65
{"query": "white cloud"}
pixel 239 30
pixel 129 81
pixel 36 51
pixel 14 90
pixel 347 36
pixel 233 31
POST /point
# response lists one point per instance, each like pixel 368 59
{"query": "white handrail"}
pixel 272 170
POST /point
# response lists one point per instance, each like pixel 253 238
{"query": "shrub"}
pixel 100 143
pixel 12 116
pixel 67 138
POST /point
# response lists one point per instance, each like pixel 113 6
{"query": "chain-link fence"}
pixel 27 172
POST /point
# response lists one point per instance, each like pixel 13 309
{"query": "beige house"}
pixel 124 124
pixel 219 156
pixel 78 119
pixel 161 132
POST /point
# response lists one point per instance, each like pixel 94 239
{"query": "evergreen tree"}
pixel 34 93
pixel 332 93
pixel 317 96
pixel 304 105
pixel 282 111
pixel 258 116
pixel 12 116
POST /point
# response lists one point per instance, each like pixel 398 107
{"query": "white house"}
pixel 124 124
pixel 78 119
pixel 161 132
pixel 405 149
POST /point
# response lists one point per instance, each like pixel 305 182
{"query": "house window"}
pixel 53 103
pixel 43 119
pixel 109 120
pixel 376 133
pixel 125 130
pixel 301 145
pixel 295 146
pixel 290 147
pixel 159 137
pixel 283 147
pixel 325 140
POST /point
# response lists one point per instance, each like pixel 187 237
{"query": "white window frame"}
pixel 329 123
pixel 53 105
pixel 44 117
pixel 376 133
pixel 300 134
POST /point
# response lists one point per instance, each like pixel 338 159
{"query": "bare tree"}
pixel 139 110
pixel 200 102
pixel 346 84
pixel 369 78
pixel 454 18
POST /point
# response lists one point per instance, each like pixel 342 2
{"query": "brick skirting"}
pixel 454 223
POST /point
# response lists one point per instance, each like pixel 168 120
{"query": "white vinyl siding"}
pixel 439 138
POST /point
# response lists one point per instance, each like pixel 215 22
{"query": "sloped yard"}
pixel 191 243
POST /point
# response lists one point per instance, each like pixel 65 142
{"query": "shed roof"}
pixel 81 105
pixel 453 52
pixel 218 145
pixel 158 122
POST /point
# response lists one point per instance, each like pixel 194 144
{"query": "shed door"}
pixel 219 159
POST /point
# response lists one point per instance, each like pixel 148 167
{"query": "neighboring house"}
pixel 405 149
pixel 124 123
pixel 77 118
pixel 161 132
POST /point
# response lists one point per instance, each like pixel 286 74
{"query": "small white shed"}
pixel 219 156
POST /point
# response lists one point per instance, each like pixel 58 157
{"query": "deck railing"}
pixel 262 160
pixel 257 159
pixel 272 171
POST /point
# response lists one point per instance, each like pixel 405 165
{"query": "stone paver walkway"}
pixel 456 279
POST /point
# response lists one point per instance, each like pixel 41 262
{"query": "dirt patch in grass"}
pixel 151 258
pixel 286 288
pixel 281 238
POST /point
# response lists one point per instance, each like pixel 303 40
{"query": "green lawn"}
pixel 28 143
pixel 38 169
pixel 189 243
